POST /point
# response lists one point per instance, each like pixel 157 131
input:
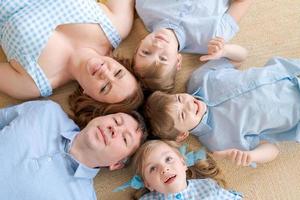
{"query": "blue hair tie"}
pixel 136 182
pixel 191 158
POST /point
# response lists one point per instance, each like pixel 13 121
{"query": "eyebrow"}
pixel 161 155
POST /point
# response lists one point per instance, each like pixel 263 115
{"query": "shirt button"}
pixel 178 196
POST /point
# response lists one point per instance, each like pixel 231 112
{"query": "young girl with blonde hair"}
pixel 164 169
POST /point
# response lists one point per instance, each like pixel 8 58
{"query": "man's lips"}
pixel 170 179
pixel 102 135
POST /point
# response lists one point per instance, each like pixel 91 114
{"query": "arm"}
pixel 217 49
pixel 121 14
pixel 265 152
pixel 15 84
pixel 238 8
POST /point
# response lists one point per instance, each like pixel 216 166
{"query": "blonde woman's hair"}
pixel 202 169
pixel 86 108
pixel 156 112
pixel 154 77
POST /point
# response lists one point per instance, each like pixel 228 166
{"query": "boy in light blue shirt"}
pixel 180 26
pixel 236 114
pixel 45 156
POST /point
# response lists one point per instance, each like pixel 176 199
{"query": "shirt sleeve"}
pixel 7 115
pixel 222 193
pixel 199 75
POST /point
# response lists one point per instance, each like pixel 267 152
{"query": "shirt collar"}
pixel 203 126
pixel 80 170
pixel 178 30
pixel 179 195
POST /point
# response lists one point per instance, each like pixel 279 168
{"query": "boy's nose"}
pixel 157 44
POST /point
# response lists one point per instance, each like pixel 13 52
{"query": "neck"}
pixel 74 64
pixel 82 153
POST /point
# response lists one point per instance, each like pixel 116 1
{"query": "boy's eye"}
pixel 182 115
pixel 163 58
pixel 169 158
pixel 146 52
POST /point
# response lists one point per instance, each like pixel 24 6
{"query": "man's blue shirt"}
pixel 35 164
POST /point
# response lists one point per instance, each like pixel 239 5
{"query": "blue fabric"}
pixel 35 164
pixel 194 22
pixel 204 189
pixel 246 107
pixel 26 26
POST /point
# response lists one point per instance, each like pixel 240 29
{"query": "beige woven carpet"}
pixel 270 28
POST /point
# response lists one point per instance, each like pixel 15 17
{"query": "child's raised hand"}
pixel 238 157
pixel 215 49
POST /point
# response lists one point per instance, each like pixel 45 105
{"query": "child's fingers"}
pixel 249 160
pixel 213 48
pixel 216 43
pixel 238 158
pixel 233 155
pixel 205 58
pixel 221 154
pixel 220 39
pixel 244 159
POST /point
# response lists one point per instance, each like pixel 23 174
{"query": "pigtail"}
pixel 206 169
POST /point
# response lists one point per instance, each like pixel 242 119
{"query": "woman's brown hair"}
pixel 86 108
pixel 202 169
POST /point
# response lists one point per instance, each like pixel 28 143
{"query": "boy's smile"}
pixel 186 111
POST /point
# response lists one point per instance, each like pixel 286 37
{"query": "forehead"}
pixel 158 150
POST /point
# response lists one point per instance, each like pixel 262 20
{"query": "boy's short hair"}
pixel 156 112
pixel 155 78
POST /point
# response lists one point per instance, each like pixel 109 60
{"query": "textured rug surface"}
pixel 270 28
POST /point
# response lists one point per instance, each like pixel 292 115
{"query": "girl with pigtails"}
pixel 164 171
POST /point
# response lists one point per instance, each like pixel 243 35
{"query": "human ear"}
pixel 179 61
pixel 118 165
pixel 182 136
